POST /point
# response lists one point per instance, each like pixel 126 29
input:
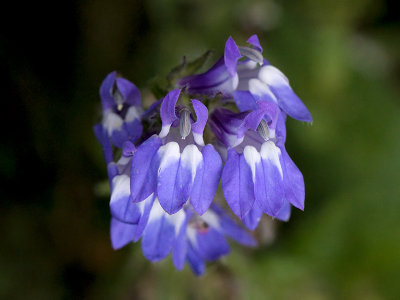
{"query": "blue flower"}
pixel 176 164
pixel 164 176
pixel 121 206
pixel 191 237
pixel 258 175
pixel 244 69
pixel 122 109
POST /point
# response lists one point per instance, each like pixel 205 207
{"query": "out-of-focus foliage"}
pixel 343 60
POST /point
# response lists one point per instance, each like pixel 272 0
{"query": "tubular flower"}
pixel 164 165
pixel 191 237
pixel 121 206
pixel 244 69
pixel 121 104
pixel 258 175
pixel 176 165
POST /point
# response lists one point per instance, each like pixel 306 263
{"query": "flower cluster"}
pixel 164 174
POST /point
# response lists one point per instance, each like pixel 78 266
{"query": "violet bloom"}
pixel 163 185
pixel 258 175
pixel 245 69
pixel 122 108
pixel 176 164
pixel 190 237
pixel 122 207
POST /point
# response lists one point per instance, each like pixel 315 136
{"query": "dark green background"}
pixel 343 60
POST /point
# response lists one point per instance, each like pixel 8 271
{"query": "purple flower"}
pixel 191 237
pixel 176 164
pixel 121 103
pixel 253 73
pixel 258 175
pixel 122 207
pixel 164 177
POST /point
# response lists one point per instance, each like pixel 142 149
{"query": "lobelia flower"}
pixel 121 104
pixel 258 175
pixel 189 236
pixel 176 164
pixel 121 206
pixel 253 74
pixel 163 185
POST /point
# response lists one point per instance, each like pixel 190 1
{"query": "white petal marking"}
pixel 177 220
pixel 252 158
pixel 271 152
pixel 156 211
pixel 169 154
pixel 124 165
pixel 121 187
pixel 191 158
pixel 191 234
pixel 198 138
pixel 142 204
pixel 164 131
pixel 212 219
pixel 132 114
pixel 272 76
pixel 112 121
pixel 259 88
pixel 235 81
pixel 233 140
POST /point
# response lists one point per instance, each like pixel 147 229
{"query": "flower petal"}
pixel 253 40
pixel 179 248
pixel 128 149
pixel 284 213
pixel 253 217
pixel 119 136
pixel 207 179
pixel 158 235
pixel 294 182
pixel 268 187
pixel 237 184
pixel 107 99
pixel 145 163
pixel 198 127
pixel 103 138
pixel 145 207
pixel 261 91
pixel 112 121
pixel 215 80
pixel 167 111
pixel 211 244
pixel 112 171
pixel 196 263
pixel 231 56
pixel 230 228
pixel 245 101
pixel 171 188
pixel 224 124
pixel 287 99
pixel 121 233
pixel 133 130
pixel 121 206
pixel 129 91
pixel 251 121
pixel 281 129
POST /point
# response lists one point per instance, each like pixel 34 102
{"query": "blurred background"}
pixel 343 59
